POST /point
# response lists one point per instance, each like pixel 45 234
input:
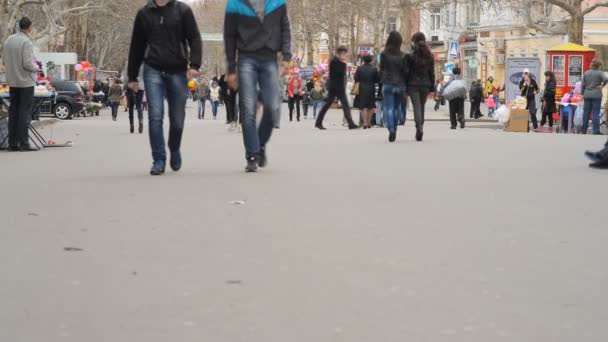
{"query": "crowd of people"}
pixel 165 59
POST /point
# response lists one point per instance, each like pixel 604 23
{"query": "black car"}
pixel 69 100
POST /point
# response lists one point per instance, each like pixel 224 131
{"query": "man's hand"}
pixel 284 68
pixel 134 85
pixel 233 81
pixel 193 73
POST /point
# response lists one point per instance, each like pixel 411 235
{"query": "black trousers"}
pixel 291 103
pixel 135 101
pixel 532 110
pixel 341 96
pixel 418 96
pixel 230 103
pixel 475 109
pixel 305 107
pixel 20 116
pixel 547 117
pixel 457 112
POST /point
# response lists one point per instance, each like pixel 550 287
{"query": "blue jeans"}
pixel 393 100
pixel 316 106
pixel 214 105
pixel 201 107
pixel 592 106
pixel 379 113
pixel 175 87
pixel 254 73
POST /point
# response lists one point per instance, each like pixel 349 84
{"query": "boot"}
pixel 132 129
pixel 141 127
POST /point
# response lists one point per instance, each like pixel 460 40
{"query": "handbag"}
pixel 355 90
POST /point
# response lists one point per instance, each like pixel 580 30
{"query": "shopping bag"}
pixel 578 115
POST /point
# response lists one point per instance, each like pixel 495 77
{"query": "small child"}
pixel 491 106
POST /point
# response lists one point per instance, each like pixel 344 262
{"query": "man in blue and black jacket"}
pixel 167 41
pixel 255 31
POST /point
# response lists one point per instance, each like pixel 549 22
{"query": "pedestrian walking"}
pixel 201 95
pixel 116 95
pixel 379 103
pixel 420 76
pixel 594 81
pixel 255 31
pixel 392 70
pixel 476 97
pixel 214 98
pixel 549 107
pixel 367 76
pixel 306 100
pixel 455 91
pixel 491 106
pixel 494 92
pixel 317 98
pixel 18 54
pixel 294 93
pixel 337 88
pixel 439 101
pixel 166 39
pixel 529 89
pixel 135 102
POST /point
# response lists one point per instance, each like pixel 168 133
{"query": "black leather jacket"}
pixel 391 69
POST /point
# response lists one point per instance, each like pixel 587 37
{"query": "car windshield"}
pixel 67 86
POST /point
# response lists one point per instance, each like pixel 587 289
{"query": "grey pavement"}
pixel 474 235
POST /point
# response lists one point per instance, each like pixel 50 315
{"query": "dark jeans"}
pixel 305 108
pixel 214 105
pixel 114 107
pixel 547 117
pixel 20 116
pixel 532 110
pixel 457 112
pixel 418 97
pixel 592 106
pixel 230 103
pixel 265 75
pixel 341 96
pixel 175 87
pixel 475 109
pixel 294 101
pixel 135 101
pixel 393 102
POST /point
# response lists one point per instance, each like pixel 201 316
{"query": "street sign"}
pixel 449 67
pixel 453 51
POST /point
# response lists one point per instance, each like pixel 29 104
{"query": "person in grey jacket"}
pixel 593 82
pixel 20 68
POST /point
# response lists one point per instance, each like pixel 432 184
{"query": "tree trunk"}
pixel 575 29
pixel 406 23
pixel 310 52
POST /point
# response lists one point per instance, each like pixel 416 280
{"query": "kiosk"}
pixel 569 63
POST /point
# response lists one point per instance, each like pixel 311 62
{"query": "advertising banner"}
pixel 515 72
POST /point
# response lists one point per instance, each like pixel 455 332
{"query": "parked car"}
pixel 68 101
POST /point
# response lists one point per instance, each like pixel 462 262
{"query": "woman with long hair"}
pixel 420 78
pixel 367 77
pixel 549 106
pixel 393 82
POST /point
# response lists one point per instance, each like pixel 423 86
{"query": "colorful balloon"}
pixel 85 64
pixel 78 67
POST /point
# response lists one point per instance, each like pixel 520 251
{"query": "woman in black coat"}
pixel 549 106
pixel 367 76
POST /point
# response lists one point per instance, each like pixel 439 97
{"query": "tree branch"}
pixel 594 7
pixel 565 5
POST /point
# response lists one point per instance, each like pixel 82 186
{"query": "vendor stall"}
pixel 569 62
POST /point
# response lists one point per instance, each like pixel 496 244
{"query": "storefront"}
pixel 569 63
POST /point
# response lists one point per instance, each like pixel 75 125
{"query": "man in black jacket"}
pixel 167 40
pixel 255 31
pixel 337 88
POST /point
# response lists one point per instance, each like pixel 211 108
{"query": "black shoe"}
pixel 141 128
pixel 462 125
pixel 353 127
pixel 453 127
pixel 158 168
pixel 320 126
pixel 176 161
pixel 600 164
pixel 13 148
pixel 594 156
pixel 252 165
pixel 392 136
pixel 262 159
pixel 27 148
pixel 419 135
pixel 132 129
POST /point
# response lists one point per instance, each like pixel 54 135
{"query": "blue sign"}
pixel 453 51
pixel 449 67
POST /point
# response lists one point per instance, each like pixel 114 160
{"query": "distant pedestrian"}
pixel 214 97
pixel 116 95
pixel 135 102
pixel 255 31
pixel 476 97
pixel 594 81
pixel 201 94
pixel 367 76
pixel 392 71
pixel 317 98
pixel 166 39
pixel 420 76
pixel 337 88
pixel 549 107
pixel 18 54
pixel 294 93
pixel 491 106
pixel 529 89
pixel 306 100
pixel 455 91
pixel 439 101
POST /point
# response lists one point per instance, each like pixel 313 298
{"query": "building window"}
pixel 435 19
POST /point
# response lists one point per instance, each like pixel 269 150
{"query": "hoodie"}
pixel 166 38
